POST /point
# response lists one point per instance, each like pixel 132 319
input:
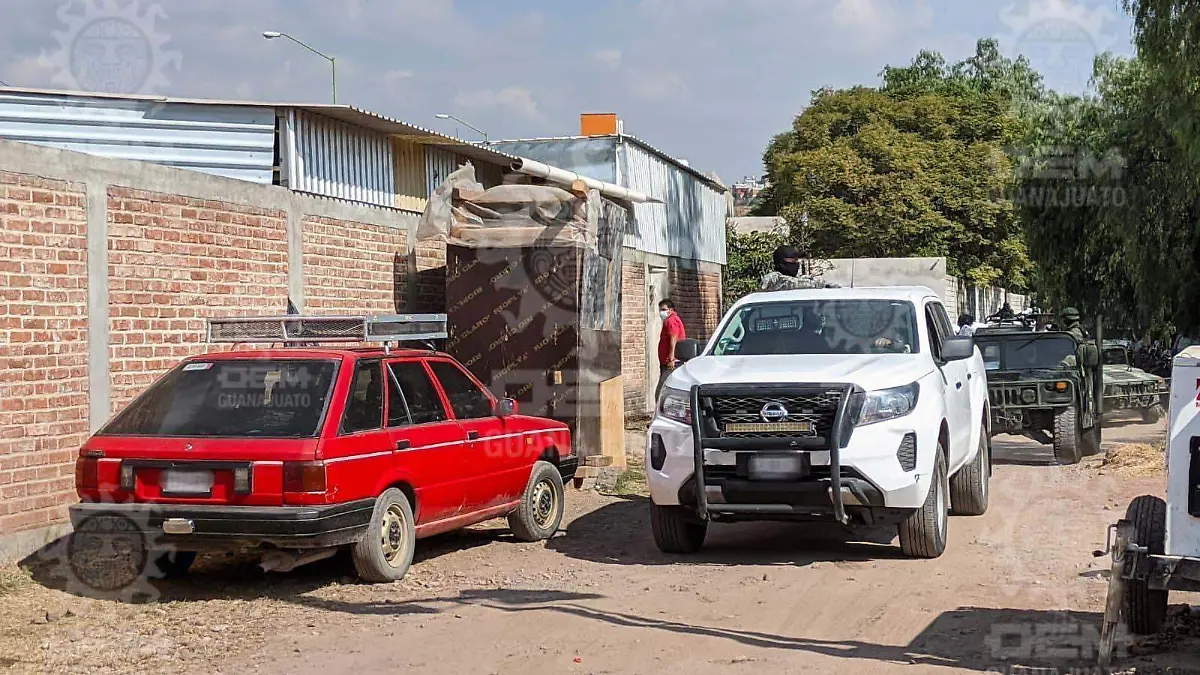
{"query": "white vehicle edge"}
pixel 948 423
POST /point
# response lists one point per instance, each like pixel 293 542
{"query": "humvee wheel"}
pixel 1153 414
pixel 1068 437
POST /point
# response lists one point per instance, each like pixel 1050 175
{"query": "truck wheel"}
pixel 923 534
pixel 1146 609
pixel 385 552
pixel 676 530
pixel 541 508
pixel 969 487
pixel 1068 437
pixel 1153 414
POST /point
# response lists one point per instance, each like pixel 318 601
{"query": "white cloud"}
pixel 655 85
pixel 608 58
pixel 877 21
pixel 516 100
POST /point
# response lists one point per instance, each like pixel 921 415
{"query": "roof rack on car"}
pixel 300 329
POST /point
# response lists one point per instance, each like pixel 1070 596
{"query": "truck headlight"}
pixel 676 405
pixel 887 404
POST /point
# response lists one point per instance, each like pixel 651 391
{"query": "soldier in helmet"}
pixel 1071 323
pixel 786 275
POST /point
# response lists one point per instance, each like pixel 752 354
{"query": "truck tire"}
pixel 923 533
pixel 1068 437
pixel 676 530
pixel 385 552
pixel 1153 414
pixel 1091 441
pixel 541 509
pixel 1146 609
pixel 969 487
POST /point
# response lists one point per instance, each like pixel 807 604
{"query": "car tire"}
pixel 1068 437
pixel 385 552
pixel 676 529
pixel 1153 414
pixel 173 564
pixel 1145 608
pixel 541 509
pixel 923 533
pixel 969 487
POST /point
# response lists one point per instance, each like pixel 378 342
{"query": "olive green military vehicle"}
pixel 1043 385
pixel 1129 388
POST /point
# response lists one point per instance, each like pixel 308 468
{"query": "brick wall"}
pixel 633 337
pixel 352 267
pixel 43 347
pixel 431 277
pixel 176 260
pixel 697 298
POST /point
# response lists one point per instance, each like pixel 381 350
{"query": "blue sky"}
pixel 708 80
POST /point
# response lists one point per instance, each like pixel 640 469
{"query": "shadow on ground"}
pixel 119 572
pixel 619 533
pixel 971 638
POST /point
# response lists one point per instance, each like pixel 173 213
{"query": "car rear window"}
pixel 241 398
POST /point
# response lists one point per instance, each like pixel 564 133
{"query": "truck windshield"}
pixel 820 327
pixel 239 398
pixel 1115 356
pixel 1021 352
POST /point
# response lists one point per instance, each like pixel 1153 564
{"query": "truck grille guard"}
pixel 839 435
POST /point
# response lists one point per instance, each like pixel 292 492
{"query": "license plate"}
pixel 187 482
pixel 778 467
pixel 769 428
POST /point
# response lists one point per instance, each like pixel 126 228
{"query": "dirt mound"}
pixel 1135 459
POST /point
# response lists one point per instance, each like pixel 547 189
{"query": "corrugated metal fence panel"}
pixel 335 159
pixel 691 221
pixel 412 191
pixel 438 165
pixel 225 140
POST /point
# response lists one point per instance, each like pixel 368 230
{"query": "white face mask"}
pixel 664 314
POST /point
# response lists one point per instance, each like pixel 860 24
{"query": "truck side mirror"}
pixel 686 350
pixel 958 348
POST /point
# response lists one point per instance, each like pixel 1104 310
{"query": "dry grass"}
pixel 13 580
pixel 1136 459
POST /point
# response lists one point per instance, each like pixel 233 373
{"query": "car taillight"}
pixel 87 473
pixel 303 476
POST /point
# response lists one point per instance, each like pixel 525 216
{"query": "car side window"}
pixel 935 332
pixel 417 395
pixel 467 399
pixel 364 404
pixel 942 319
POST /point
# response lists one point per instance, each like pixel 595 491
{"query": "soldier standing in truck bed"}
pixel 1071 324
pixel 786 275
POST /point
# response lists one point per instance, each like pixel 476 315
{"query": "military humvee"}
pixel 1130 388
pixel 1042 385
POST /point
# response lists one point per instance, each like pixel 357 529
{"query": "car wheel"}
pixel 173 564
pixel 1153 414
pixel 385 552
pixel 969 487
pixel 923 533
pixel 1068 437
pixel 541 508
pixel 1145 608
pixel 676 529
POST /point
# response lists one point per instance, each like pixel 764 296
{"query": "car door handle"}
pixel 958 385
pixel 403 445
pixel 472 435
pixel 970 375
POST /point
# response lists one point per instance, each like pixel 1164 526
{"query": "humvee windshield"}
pixel 1115 356
pixel 1022 352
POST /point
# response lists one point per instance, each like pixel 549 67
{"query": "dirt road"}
pixel 1017 587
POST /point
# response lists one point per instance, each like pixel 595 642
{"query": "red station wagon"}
pixel 302 449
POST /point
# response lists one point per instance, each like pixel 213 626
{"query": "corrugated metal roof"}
pixel 706 177
pixel 345 113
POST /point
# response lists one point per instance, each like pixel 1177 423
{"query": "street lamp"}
pixel 443 116
pixel 272 34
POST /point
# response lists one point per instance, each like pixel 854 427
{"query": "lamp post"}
pixel 272 34
pixel 481 132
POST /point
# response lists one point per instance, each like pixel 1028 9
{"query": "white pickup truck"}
pixel 858 405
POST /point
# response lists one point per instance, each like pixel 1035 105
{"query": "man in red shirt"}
pixel 672 333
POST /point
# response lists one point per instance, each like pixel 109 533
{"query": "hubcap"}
pixel 544 503
pixel 393 530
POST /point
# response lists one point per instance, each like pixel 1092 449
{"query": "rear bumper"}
pixel 224 527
